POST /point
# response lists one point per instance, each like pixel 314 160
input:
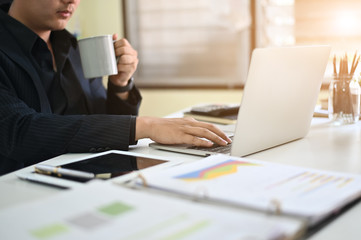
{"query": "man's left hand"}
pixel 127 59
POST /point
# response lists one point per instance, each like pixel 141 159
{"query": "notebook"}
pixel 278 101
pixel 306 193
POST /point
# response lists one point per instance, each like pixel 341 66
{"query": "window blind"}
pixel 190 42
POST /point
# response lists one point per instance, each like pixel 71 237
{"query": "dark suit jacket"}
pixel 30 132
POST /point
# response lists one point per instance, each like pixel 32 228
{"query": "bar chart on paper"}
pixel 256 184
pixel 309 182
pixel 221 169
pixel 297 183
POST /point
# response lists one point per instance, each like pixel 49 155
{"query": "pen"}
pixel 58 171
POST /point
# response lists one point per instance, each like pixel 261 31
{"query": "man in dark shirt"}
pixel 48 108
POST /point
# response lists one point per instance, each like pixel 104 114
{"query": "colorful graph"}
pixel 221 169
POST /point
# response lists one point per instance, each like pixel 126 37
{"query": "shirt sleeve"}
pixel 132 140
pixel 116 105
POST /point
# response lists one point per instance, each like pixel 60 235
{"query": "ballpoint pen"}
pixel 58 171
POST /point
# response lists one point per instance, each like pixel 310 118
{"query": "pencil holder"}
pixel 344 99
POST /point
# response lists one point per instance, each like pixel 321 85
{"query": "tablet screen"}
pixel 111 165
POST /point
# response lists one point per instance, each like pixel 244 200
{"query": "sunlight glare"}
pixel 346 23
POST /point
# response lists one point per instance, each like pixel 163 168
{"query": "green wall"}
pixel 97 17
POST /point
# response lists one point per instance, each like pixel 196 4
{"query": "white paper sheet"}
pixel 310 193
pixel 107 211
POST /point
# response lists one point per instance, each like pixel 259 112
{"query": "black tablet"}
pixel 105 166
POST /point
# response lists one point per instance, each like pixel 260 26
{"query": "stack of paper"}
pixel 107 211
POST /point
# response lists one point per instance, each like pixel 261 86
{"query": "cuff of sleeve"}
pixel 126 88
pixel 132 131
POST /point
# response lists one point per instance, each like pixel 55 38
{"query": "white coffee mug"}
pixel 98 56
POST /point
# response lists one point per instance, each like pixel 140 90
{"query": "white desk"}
pixel 326 147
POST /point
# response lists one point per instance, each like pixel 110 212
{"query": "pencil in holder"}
pixel 344 93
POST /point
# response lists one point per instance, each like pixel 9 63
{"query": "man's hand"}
pixel 179 131
pixel 127 61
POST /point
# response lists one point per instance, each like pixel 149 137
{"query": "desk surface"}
pixel 327 147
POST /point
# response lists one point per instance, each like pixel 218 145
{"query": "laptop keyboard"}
pixel 215 148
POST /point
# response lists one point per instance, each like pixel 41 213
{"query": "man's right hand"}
pixel 180 131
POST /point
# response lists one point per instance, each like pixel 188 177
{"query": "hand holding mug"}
pixel 107 56
pixel 127 61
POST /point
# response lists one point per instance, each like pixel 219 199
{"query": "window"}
pixel 275 23
pixel 190 42
pixel 333 22
pixel 209 42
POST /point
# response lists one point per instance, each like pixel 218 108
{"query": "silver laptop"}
pixel 278 100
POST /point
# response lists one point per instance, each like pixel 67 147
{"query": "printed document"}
pixel 304 192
